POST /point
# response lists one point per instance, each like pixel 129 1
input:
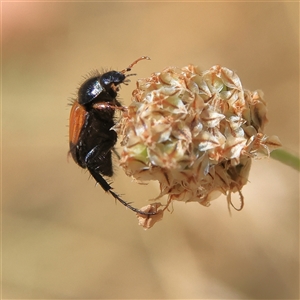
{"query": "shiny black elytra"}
pixel 91 119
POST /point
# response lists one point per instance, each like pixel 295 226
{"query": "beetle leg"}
pixel 96 154
pixel 116 153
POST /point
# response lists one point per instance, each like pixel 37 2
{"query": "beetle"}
pixel 91 139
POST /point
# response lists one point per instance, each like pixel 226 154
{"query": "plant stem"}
pixel 286 158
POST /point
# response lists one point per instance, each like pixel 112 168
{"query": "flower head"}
pixel 195 132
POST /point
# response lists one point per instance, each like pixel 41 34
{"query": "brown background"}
pixel 65 238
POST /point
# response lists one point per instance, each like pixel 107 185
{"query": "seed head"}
pixel 194 132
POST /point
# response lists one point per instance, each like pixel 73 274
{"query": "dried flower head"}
pixel 195 132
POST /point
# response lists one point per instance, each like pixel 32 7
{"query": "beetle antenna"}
pixel 135 62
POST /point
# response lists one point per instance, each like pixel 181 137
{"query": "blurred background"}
pixel 62 236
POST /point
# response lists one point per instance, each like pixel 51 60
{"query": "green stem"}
pixel 286 158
